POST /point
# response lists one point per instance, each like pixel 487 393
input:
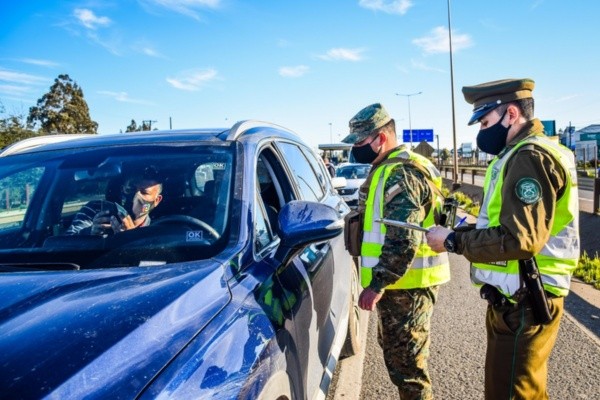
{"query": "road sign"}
pixel 418 135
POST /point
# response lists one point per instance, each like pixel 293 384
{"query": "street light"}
pixel 330 134
pixel 409 121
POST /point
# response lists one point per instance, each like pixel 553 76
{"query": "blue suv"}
pixel 236 284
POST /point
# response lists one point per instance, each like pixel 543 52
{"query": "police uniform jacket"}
pixel 524 227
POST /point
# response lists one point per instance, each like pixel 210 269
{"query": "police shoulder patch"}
pixel 528 190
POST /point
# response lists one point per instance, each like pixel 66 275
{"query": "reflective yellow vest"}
pixel 428 267
pixel 558 258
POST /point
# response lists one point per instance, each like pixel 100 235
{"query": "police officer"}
pixel 399 272
pixel 530 209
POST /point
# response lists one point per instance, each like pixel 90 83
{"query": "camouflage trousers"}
pixel 403 334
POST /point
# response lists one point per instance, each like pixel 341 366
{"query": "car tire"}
pixel 352 343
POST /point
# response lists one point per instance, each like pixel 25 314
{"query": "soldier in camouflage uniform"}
pixel 399 273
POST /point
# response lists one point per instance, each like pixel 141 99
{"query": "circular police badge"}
pixel 528 190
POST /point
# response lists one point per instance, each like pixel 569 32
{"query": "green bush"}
pixel 466 203
pixel 588 269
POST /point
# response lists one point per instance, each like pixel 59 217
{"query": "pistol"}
pixel 533 281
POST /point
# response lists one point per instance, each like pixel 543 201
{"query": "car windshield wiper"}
pixel 56 266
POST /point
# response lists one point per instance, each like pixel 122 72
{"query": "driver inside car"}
pixel 139 196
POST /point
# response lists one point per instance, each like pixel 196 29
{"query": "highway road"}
pixel 458 344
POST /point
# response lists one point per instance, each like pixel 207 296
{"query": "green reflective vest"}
pixel 428 267
pixel 558 258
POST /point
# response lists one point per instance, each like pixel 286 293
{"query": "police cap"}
pixel 487 96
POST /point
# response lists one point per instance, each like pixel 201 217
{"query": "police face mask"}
pixel 493 139
pixel 365 154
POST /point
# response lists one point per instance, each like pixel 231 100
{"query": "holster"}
pixel 537 295
pixel 353 232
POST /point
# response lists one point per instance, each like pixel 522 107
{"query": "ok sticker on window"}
pixel 194 236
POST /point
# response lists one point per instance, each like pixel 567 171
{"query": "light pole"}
pixel 455 183
pixel 437 139
pixel 409 121
pixel 330 134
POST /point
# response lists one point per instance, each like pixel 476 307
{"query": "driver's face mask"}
pixel 135 203
pixel 141 207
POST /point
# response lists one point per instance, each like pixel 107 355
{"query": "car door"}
pixel 315 321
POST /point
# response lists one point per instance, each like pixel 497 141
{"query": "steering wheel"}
pixel 186 219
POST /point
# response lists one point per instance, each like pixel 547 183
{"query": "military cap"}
pixel 487 96
pixel 367 120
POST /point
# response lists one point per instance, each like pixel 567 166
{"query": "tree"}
pixel 62 110
pixel 445 155
pixel 133 126
pixel 13 127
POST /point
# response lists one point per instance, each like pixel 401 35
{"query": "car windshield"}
pixel 353 171
pixel 162 203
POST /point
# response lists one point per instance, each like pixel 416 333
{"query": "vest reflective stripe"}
pixel 428 267
pixel 559 256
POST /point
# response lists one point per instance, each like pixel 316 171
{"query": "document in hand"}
pixel 402 224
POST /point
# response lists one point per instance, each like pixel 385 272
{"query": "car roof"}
pixel 240 130
pixel 354 165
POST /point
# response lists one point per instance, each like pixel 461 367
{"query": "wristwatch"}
pixel 450 243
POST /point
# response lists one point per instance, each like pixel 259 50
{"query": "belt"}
pixel 497 299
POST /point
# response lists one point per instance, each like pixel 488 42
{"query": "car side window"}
pixel 320 169
pixel 16 192
pixel 273 190
pixel 304 174
pixel 263 231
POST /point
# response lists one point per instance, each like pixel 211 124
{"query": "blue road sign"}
pixel 418 135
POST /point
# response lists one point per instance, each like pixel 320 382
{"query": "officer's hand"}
pixel 368 299
pixel 436 237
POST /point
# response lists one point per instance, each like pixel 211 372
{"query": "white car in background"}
pixel 355 175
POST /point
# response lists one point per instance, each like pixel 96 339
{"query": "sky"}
pixel 308 65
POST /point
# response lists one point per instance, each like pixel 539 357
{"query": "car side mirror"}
pixel 339 182
pixel 304 222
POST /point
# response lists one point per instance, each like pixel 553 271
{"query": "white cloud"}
pixel 88 19
pixel 293 72
pixel 149 51
pixel 21 78
pixel 420 65
pixel 343 54
pixel 437 41
pixel 123 97
pixel 41 63
pixel 185 7
pixel 193 80
pixel 389 7
pixel 15 90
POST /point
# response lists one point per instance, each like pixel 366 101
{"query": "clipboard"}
pixel 402 224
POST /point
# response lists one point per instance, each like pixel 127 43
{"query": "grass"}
pixel 588 268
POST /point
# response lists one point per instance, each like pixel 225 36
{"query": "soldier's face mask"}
pixel 365 154
pixel 493 139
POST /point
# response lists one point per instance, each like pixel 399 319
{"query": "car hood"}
pixel 76 334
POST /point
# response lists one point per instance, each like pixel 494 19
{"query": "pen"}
pixel 462 220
